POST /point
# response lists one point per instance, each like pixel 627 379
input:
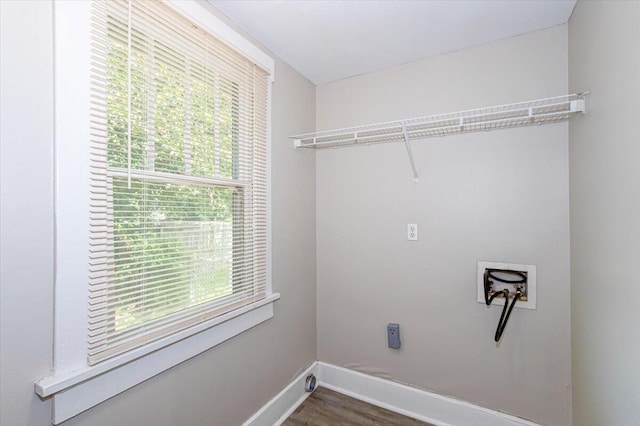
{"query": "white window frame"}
pixel 74 385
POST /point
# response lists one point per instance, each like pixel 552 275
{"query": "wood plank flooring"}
pixel 328 408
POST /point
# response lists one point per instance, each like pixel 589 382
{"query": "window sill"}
pixel 82 389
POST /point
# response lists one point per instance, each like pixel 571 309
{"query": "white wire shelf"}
pixel 535 112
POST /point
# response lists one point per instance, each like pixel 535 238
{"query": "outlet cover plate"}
pixel 412 232
pixel 531 282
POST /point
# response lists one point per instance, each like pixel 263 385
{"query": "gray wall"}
pixel 604 57
pixel 223 386
pixel 500 196
pixel 494 196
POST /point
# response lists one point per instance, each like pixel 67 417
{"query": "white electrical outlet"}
pixel 412 232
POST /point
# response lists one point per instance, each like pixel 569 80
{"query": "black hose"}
pixel 503 320
pixel 504 317
pixel 490 274
pixel 504 292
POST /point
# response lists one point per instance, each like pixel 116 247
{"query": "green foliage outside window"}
pixel 173 240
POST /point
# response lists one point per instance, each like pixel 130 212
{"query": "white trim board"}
pixel 97 388
pixel 281 406
pixel 200 15
pixel 411 402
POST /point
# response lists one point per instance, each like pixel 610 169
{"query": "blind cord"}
pixel 129 19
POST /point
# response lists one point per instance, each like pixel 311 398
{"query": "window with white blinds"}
pixel 178 200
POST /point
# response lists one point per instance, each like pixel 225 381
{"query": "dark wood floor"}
pixel 328 408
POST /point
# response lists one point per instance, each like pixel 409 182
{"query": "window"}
pixel 162 241
pixel 179 200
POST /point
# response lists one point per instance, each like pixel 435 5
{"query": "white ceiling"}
pixel 330 40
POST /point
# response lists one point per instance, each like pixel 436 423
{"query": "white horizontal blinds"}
pixel 259 178
pixel 178 177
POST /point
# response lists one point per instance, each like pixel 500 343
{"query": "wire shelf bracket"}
pixel 535 112
pixel 408 146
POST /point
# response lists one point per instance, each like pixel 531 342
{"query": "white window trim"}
pixel 74 385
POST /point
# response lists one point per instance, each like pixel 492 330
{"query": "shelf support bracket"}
pixel 408 146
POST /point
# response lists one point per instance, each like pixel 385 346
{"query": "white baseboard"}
pixel 412 402
pixel 418 404
pixel 276 411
